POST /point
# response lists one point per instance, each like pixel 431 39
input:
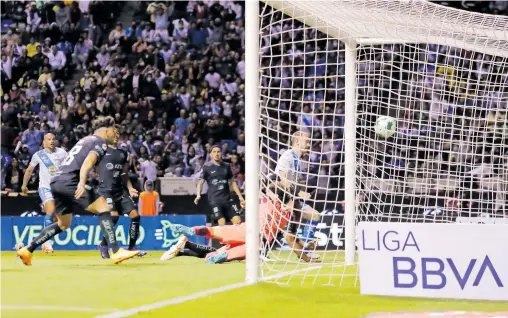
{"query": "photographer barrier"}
pixel 85 232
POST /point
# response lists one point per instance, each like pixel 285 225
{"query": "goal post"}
pixel 330 68
pixel 252 140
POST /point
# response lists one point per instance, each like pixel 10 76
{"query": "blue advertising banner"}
pixel 85 232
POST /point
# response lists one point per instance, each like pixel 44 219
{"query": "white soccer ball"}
pixel 385 126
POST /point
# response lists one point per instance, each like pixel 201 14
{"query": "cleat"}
pixel 103 250
pixel 25 255
pixel 141 253
pixel 175 249
pixel 47 247
pixel 123 255
pixel 182 229
pixel 313 255
pixel 216 258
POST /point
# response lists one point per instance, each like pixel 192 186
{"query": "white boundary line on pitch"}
pixel 57 308
pixel 181 299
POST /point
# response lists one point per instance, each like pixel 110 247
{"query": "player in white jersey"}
pixel 49 160
pixel 288 171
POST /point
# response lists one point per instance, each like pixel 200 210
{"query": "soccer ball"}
pixel 385 126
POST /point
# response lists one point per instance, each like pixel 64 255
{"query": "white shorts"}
pixel 45 195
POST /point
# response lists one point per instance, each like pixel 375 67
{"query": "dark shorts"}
pixel 120 202
pixel 226 208
pixel 65 203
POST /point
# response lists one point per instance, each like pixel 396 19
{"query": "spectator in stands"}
pixel 149 201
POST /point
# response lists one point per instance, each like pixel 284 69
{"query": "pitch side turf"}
pixel 81 284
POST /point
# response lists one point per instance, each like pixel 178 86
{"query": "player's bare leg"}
pixel 49 208
pixel 221 221
pixel 101 208
pixel 236 219
pixel 62 224
pixel 298 247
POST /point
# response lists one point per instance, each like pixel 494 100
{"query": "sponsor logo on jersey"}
pixel 52 170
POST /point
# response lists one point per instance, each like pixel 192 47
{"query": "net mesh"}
pixel 443 78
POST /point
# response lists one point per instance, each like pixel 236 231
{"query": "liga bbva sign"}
pixel 462 261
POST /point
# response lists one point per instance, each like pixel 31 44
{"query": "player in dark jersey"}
pixel 219 177
pixel 113 177
pixel 69 191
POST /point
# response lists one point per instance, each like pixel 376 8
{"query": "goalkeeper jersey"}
pixel 272 218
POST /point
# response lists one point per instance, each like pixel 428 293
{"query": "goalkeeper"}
pixel 273 220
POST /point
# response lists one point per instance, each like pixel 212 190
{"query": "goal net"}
pixel 331 68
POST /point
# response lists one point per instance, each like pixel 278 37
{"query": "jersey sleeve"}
pixel 34 161
pixel 99 148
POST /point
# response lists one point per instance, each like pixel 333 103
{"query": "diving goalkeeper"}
pixel 273 220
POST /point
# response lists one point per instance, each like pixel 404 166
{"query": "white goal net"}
pixel 331 68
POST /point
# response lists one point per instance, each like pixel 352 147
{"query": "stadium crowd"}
pixel 173 79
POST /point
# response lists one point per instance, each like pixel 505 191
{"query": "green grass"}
pixel 84 280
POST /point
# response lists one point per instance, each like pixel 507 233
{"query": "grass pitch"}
pixel 81 284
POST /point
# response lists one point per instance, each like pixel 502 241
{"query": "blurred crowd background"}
pixel 170 72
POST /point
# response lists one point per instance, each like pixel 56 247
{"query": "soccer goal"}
pixel 331 69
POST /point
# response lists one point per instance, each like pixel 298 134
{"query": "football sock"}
pixel 48 220
pixel 199 249
pixel 115 219
pixel 133 232
pixel 108 230
pixel 44 236
pixel 188 252
pixel 309 229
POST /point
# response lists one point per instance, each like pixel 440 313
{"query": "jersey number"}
pixel 74 151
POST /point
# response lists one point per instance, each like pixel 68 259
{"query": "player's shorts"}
pixel 226 208
pixel 45 195
pixel 120 202
pixel 63 193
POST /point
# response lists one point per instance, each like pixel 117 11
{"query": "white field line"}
pixel 181 299
pixel 57 308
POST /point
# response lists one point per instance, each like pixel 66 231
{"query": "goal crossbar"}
pixel 446 26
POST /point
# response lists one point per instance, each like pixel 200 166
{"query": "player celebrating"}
pixel 113 170
pixel 219 177
pixel 49 159
pixel 287 174
pixel 69 191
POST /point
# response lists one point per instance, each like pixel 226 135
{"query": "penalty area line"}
pixel 58 308
pixel 182 299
